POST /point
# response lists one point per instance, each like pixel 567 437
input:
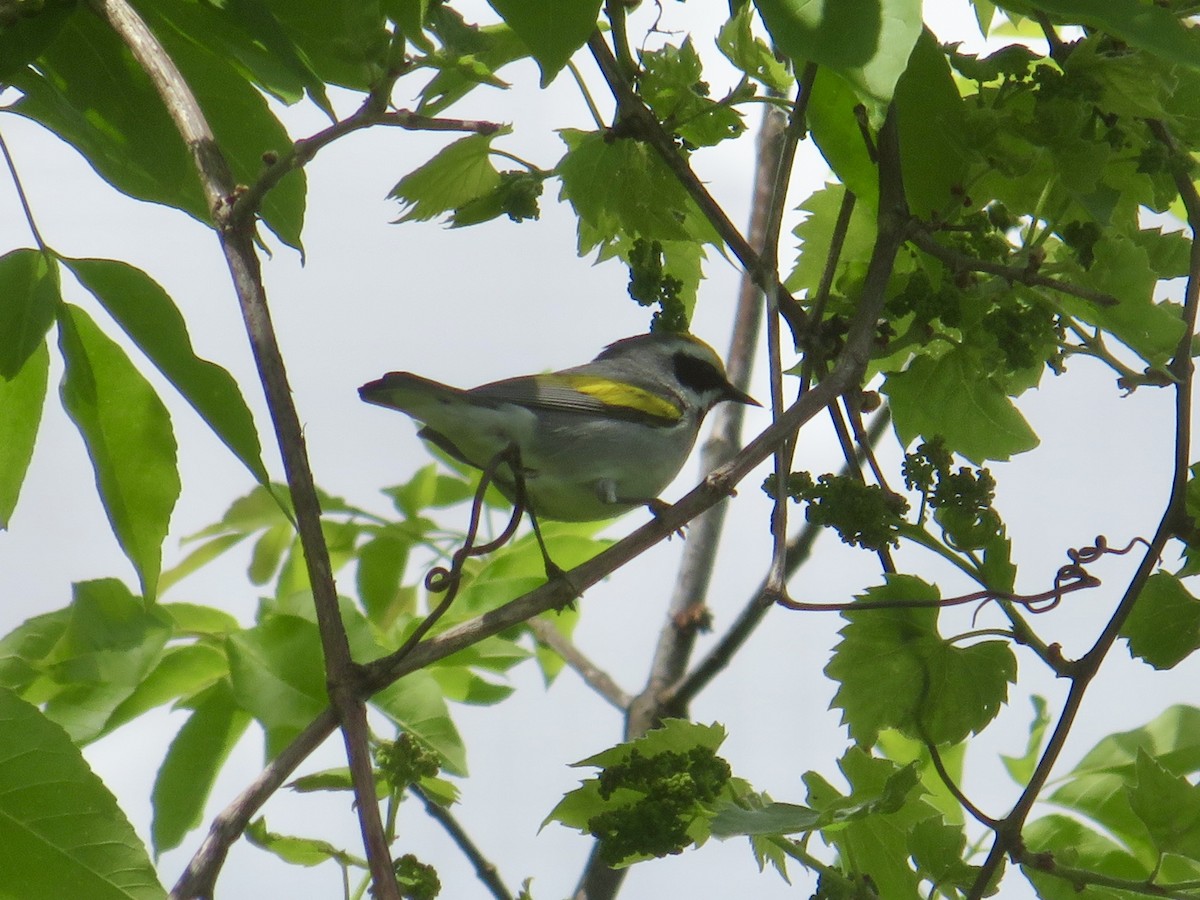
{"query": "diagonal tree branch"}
pixel 237 242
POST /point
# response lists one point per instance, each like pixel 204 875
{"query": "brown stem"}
pixel 238 246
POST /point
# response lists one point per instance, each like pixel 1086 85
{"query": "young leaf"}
pixel 1168 805
pixel 21 401
pixel 1164 627
pixel 750 54
pixel 1021 768
pixel 192 763
pixel 458 174
pixel 129 438
pixel 416 704
pixel 62 831
pixel 29 285
pixel 149 316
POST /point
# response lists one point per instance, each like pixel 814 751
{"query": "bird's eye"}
pixel 698 374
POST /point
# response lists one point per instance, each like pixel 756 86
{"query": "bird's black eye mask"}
pixel 697 374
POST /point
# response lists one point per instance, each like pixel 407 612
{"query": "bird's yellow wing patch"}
pixel 627 396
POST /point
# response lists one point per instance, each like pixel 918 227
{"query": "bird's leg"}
pixel 553 570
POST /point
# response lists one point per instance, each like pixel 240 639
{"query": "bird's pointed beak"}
pixel 739 396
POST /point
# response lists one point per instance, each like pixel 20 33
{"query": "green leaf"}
pixel 298 851
pixel 1168 805
pixel 938 849
pixel 88 89
pixel 877 817
pixel 459 173
pixel 192 763
pixel 1154 28
pixel 930 119
pixel 1021 768
pixel 1074 844
pixel 247 33
pixel 950 396
pixel 651 203
pixel 278 675
pixel 24 36
pixel 936 690
pixel 149 316
pixel 552 29
pixel 62 831
pixel 1164 627
pixel 29 285
pixel 381 564
pixel 1097 786
pixel 750 54
pixel 816 235
pixel 181 672
pixel 672 736
pixel 24 649
pixel 128 434
pixel 111 642
pixel 773 818
pixel 867 42
pixel 345 41
pixel 672 84
pixel 21 401
pixel 1122 269
pixel 837 134
pixel 416 704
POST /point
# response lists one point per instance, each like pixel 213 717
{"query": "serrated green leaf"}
pixel 192 763
pixel 936 690
pixel 128 434
pixel 867 42
pixel 950 396
pixel 1168 805
pixel 1122 269
pixel 672 736
pixel 938 849
pixel 1164 627
pixel 1096 787
pixel 651 203
pixel 673 86
pixel 459 173
pixel 278 675
pixel 816 234
pixel 1074 844
pixel 750 54
pixel 22 399
pixel 552 29
pixel 62 831
pixel 149 316
pixel 29 285
pixel 874 820
pixel 111 642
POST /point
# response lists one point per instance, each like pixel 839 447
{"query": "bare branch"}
pixel 595 677
pixel 238 245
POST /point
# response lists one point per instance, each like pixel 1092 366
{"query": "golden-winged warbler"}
pixel 595 440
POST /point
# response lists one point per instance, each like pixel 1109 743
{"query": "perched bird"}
pixel 593 441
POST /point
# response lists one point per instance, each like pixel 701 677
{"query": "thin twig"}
pixel 961 262
pixel 238 245
pixel 20 189
pixel 485 869
pixel 593 676
pixel 1008 830
pixel 799 548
